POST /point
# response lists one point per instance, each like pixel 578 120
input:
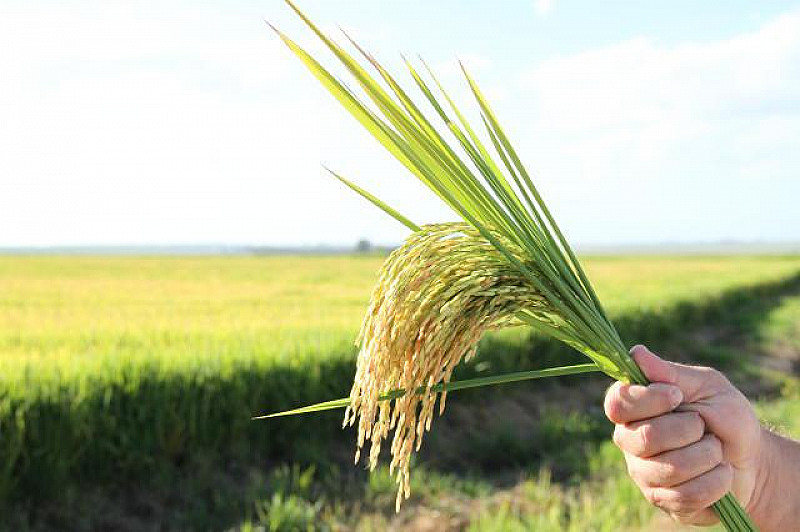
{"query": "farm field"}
pixel 78 313
pixel 127 386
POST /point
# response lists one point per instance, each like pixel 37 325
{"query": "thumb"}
pixel 689 379
pixel 653 367
pixel 709 393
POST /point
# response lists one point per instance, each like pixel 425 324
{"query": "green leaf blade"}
pixel 448 387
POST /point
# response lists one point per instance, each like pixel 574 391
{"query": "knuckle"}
pixel 635 474
pixel 643 474
pixel 715 452
pixel 697 426
pixel 653 497
pixel 613 407
pixel 630 469
pixel 646 437
pixel 662 395
pixel 719 377
pixel 617 437
pixel 713 376
pixel 684 518
pixel 727 475
pixel 614 404
pixel 671 471
pixel 665 401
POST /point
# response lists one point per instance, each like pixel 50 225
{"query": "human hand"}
pixel 688 438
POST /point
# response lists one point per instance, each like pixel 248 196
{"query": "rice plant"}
pixel 505 263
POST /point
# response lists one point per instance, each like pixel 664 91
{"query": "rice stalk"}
pixel 506 263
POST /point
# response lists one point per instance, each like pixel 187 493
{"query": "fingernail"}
pixel 675 396
pixel 641 349
pixel 635 348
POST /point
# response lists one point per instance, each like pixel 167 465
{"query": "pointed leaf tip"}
pixel 276 30
pixel 369 57
pixel 334 174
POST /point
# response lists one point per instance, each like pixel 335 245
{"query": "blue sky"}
pixel 189 123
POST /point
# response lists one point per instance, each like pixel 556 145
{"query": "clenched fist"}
pixel 691 436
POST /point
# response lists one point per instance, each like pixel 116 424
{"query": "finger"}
pixel 653 367
pixel 695 382
pixel 671 468
pixel 687 499
pixel 705 390
pixel 731 418
pixel 664 433
pixel 625 402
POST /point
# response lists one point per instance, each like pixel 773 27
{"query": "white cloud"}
pixel 543 7
pixel 639 81
pixel 679 137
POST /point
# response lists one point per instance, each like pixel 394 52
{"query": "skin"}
pixel 691 436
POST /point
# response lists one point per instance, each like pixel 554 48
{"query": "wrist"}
pixel 764 505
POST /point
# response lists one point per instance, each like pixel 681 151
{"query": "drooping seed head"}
pixel 435 298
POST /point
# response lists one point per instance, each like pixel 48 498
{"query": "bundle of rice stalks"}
pixel 507 262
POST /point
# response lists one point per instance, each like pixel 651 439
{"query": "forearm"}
pixel 776 501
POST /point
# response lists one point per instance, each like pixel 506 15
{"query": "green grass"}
pixel 780 332
pixel 143 371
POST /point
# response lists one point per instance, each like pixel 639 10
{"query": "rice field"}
pixel 115 369
pixel 77 313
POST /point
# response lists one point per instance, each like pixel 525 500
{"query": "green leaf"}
pixel 447 387
pixel 377 202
